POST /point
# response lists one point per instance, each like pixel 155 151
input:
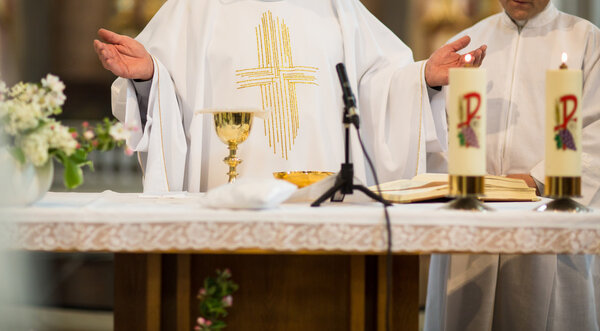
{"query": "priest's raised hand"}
pixel 446 57
pixel 123 56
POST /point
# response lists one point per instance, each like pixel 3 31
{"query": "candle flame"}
pixel 565 57
pixel 468 58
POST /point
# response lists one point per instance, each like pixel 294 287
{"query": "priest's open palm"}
pixel 446 57
pixel 124 56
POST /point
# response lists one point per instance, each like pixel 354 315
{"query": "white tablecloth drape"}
pixel 116 222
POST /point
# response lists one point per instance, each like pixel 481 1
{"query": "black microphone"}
pixel 348 96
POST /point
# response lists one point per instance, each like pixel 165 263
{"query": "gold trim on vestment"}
pixel 162 144
pixel 420 118
pixel 139 157
pixel 277 77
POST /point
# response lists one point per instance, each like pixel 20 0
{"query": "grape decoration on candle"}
pixel 565 116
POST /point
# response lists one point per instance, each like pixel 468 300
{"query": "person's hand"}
pixel 528 180
pixel 124 56
pixel 446 57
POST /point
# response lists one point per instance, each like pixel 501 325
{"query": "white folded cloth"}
pixel 250 193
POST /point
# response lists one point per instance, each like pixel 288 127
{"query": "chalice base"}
pixel 467 203
pixel 566 205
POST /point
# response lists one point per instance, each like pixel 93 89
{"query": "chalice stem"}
pixel 232 160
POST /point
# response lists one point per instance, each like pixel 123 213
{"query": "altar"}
pixel 299 268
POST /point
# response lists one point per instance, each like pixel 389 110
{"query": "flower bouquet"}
pixel 215 297
pixel 31 134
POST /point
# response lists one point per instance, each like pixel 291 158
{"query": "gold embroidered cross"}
pixel 277 77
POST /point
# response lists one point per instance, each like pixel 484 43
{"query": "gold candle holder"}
pixel 466 190
pixel 233 128
pixel 462 186
pixel 562 190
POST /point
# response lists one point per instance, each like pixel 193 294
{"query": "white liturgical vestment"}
pixel 538 292
pixel 279 56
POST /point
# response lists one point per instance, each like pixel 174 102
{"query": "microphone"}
pixel 349 100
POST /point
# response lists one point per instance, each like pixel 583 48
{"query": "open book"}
pixel 435 186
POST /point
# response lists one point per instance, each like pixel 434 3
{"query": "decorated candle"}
pixel 467 121
pixel 563 121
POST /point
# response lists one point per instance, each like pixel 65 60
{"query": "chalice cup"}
pixel 233 128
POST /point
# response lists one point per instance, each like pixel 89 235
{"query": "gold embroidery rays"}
pixel 277 77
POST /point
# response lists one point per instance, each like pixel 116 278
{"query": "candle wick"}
pixel 563 66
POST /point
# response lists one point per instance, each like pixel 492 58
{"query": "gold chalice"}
pixel 233 128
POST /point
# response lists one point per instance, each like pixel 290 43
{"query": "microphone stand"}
pixel 344 182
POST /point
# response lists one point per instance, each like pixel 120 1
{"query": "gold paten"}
pixel 562 187
pixel 302 178
pixel 462 186
pixel 233 128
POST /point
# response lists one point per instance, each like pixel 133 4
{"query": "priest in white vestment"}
pixel 281 56
pixel 539 292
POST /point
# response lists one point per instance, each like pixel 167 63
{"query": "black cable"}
pixel 388 224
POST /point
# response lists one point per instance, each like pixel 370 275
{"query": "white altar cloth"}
pixel 116 222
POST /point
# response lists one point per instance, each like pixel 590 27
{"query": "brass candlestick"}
pixel 233 128
pixel 562 190
pixel 466 190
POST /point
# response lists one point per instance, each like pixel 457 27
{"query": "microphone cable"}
pixel 388 225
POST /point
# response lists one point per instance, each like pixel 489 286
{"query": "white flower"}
pixel 26 93
pixel 31 93
pixel 35 147
pixel 19 116
pixel 17 90
pixel 119 132
pixel 50 101
pixel 53 83
pixel 51 96
pixel 89 135
pixel 52 135
pixel 55 99
pixel 60 138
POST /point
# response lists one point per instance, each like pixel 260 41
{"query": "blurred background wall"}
pixel 74 291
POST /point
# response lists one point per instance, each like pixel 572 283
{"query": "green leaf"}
pixel 461 138
pixel 61 157
pixel 73 176
pixel 558 141
pixel 79 156
pixel 90 165
pixel 18 154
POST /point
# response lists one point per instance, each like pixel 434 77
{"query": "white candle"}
pixel 563 121
pixel 467 104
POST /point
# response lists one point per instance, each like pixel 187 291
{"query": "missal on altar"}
pixel 425 187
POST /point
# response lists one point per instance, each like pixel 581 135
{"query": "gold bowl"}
pixel 302 178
